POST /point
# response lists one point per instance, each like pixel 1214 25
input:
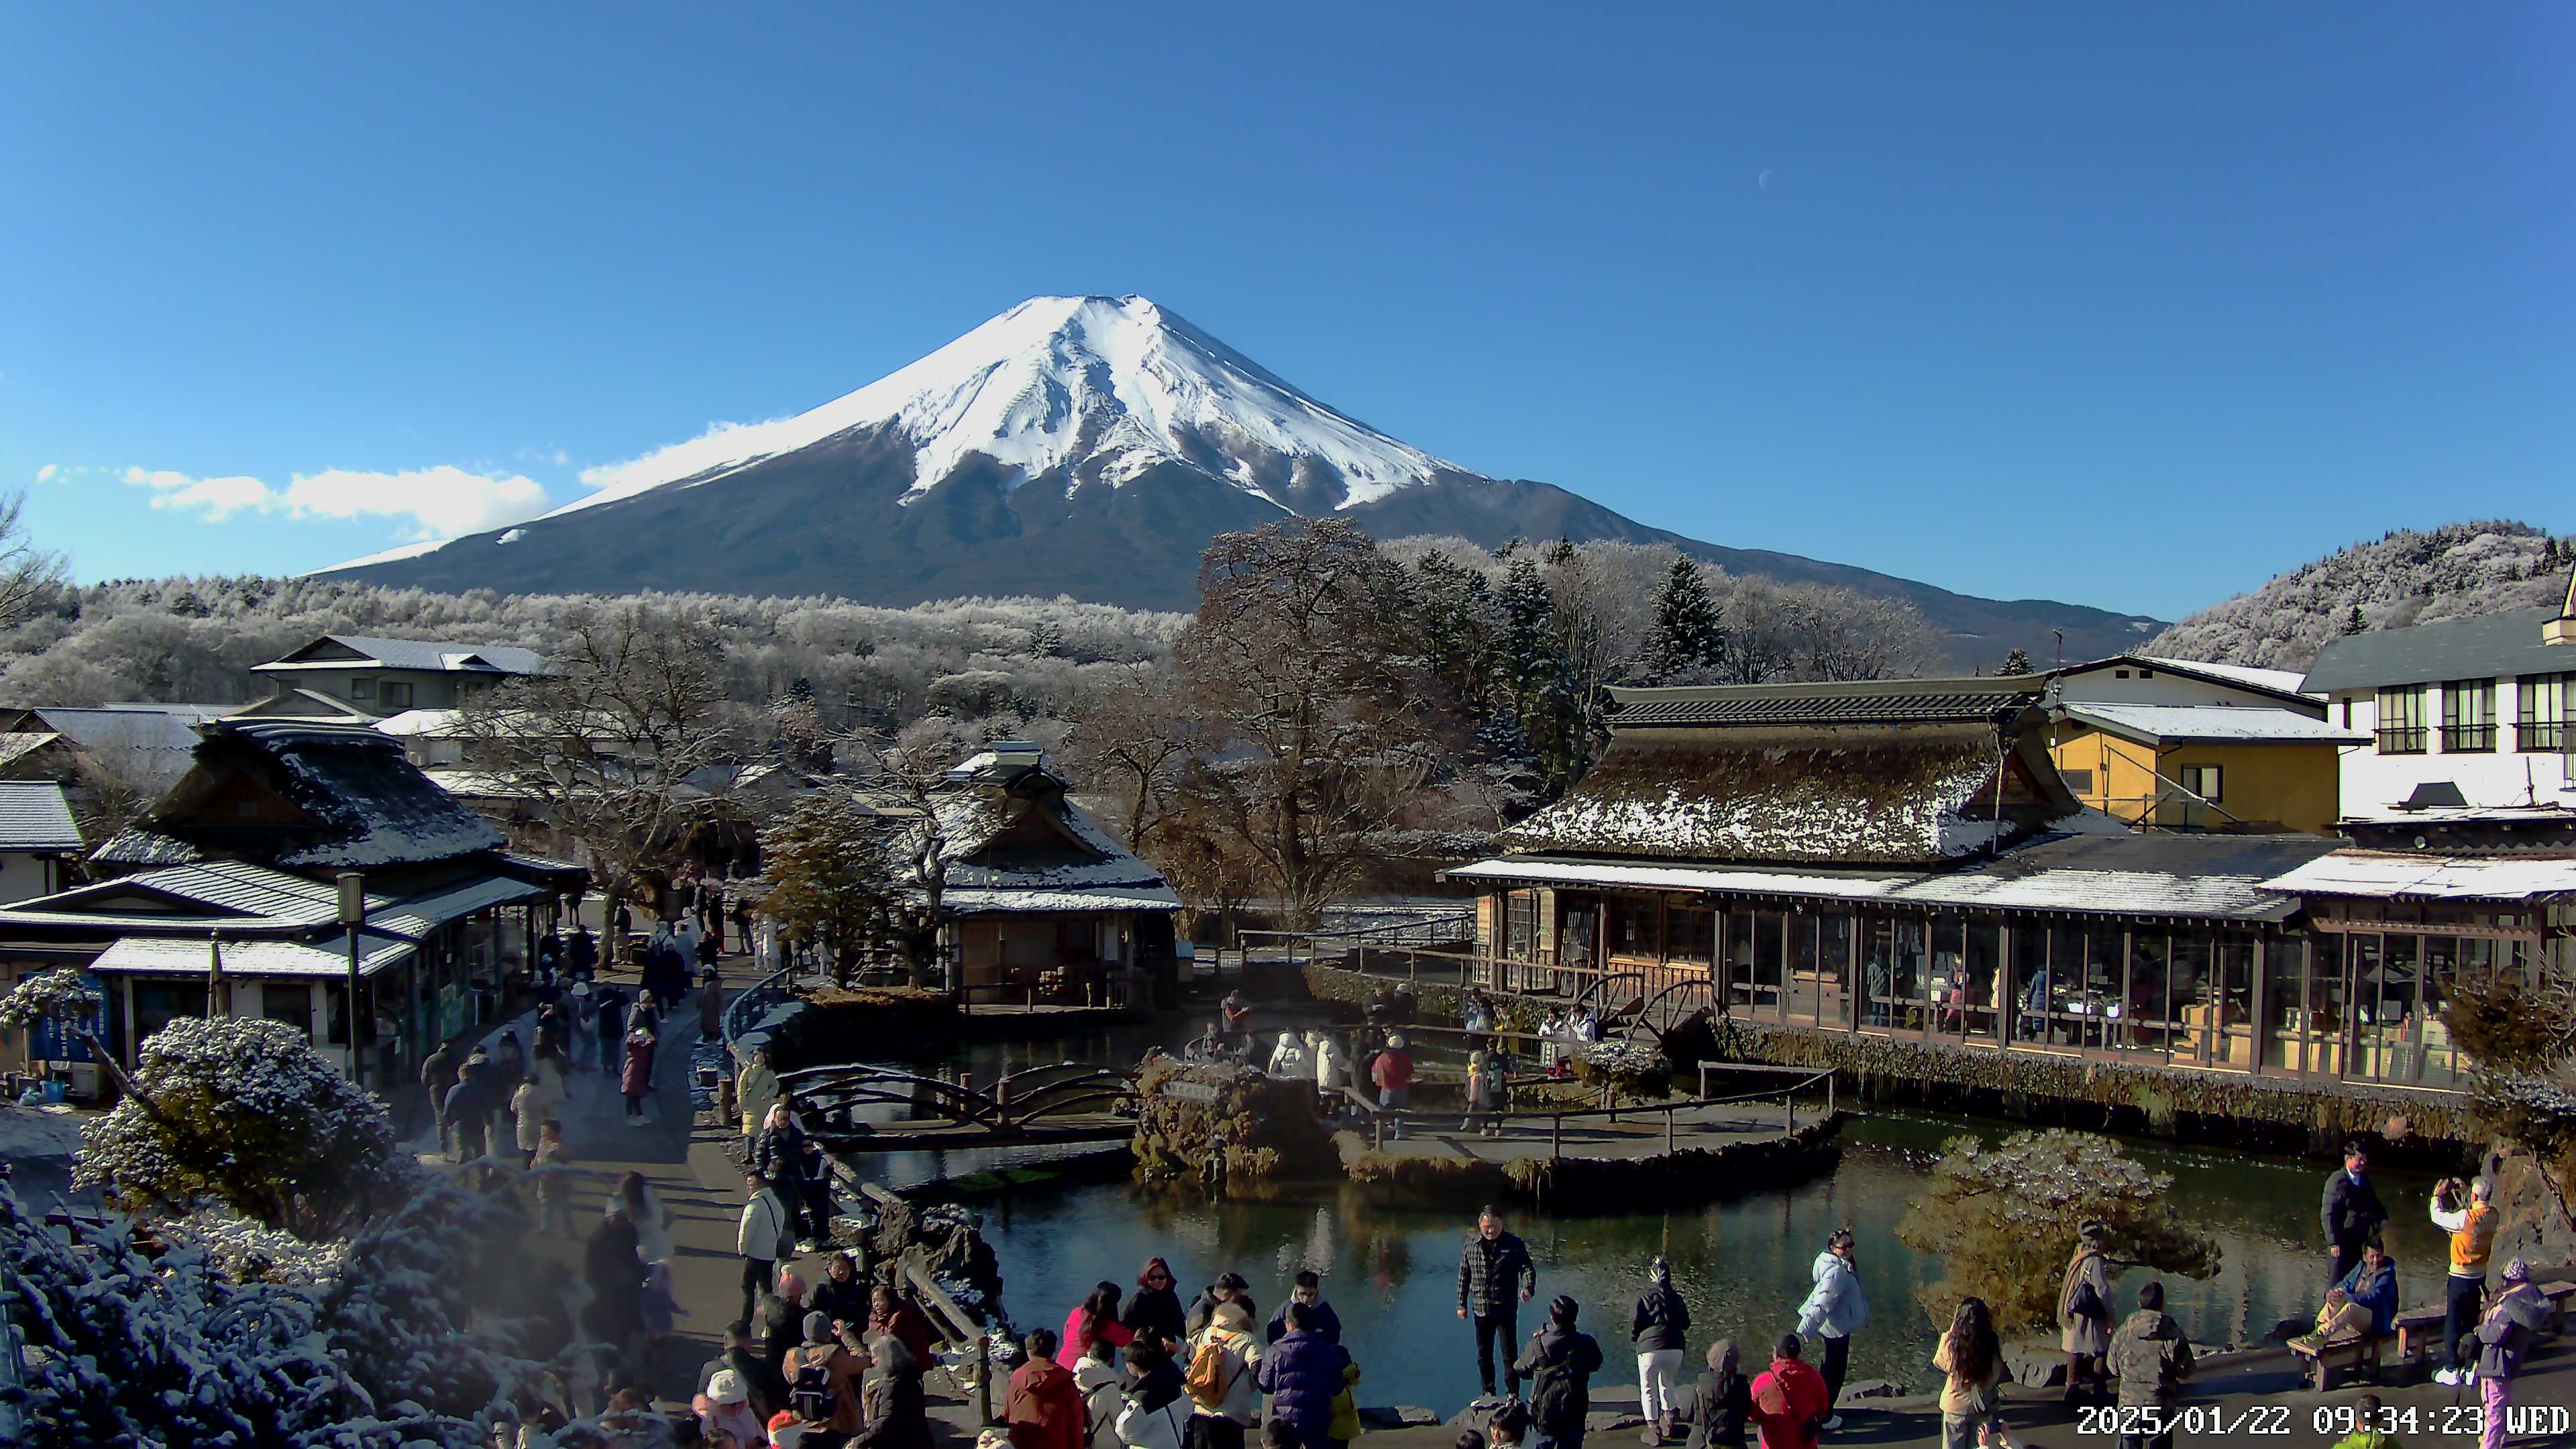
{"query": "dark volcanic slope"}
pixel 825 520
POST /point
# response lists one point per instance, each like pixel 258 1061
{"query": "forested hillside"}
pixel 2404 577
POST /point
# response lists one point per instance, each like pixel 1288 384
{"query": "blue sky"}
pixel 2131 306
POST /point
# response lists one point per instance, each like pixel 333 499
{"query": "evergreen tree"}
pixel 1534 678
pixel 2017 662
pixel 2354 623
pixel 1686 636
pixel 1453 609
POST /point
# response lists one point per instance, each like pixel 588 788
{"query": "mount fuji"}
pixel 1078 445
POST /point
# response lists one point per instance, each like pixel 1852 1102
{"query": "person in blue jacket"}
pixel 1302 1374
pixel 2372 1283
pixel 1309 1290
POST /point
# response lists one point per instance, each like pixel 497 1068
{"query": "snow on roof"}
pixel 250 894
pixel 418 917
pixel 1865 795
pixel 371 805
pixel 2386 875
pixel 2227 723
pixel 2285 681
pixel 183 956
pixel 18 744
pixel 989 794
pixel 34 816
pixel 2221 877
pixel 1873 701
pixel 430 655
pixel 975 901
pixel 147 747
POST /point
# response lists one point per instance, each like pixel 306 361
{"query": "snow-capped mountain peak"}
pixel 1101 388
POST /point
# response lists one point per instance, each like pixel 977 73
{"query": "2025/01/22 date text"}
pixel 2251 1421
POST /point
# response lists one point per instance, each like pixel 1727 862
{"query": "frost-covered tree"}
pixel 2017 662
pixel 247 1113
pixel 849 874
pixel 2002 1218
pixel 1686 639
pixel 28 575
pixel 64 999
pixel 1533 674
pixel 2354 623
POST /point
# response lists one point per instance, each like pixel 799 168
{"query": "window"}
pixel 2401 720
pixel 362 687
pixel 1693 932
pixel 2347 711
pixel 2119 674
pixel 1636 926
pixel 393 696
pixel 2468 717
pixel 2079 781
pixel 1520 924
pixel 2203 781
pixel 289 1004
pixel 2542 722
pixel 2146 674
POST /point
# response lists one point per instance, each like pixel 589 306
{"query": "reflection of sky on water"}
pixel 1742 1265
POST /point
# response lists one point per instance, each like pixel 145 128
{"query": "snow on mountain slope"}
pixel 1102 387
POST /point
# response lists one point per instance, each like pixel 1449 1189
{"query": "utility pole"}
pixel 353 915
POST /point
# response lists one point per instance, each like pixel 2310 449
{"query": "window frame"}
pixel 2410 738
pixel 2465 732
pixel 2192 777
pixel 2541 706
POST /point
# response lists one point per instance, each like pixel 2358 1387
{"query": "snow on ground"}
pixel 28 1132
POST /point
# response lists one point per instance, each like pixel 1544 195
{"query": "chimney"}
pixel 2562 630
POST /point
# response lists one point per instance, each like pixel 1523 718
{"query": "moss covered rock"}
pixel 1269 1128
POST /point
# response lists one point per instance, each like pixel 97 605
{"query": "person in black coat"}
pixel 1156 1304
pixel 583 953
pixel 2351 1211
pixel 616 1276
pixel 1559 1364
pixel 1495 1276
pixel 742 1355
pixel 1720 1401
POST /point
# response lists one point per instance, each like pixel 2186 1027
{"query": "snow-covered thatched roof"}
pixel 302 796
pixel 1012 840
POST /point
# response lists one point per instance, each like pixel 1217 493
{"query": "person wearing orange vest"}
pixel 2469 1216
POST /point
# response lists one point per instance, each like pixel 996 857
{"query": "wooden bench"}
pixel 2418 1329
pixel 2323 1362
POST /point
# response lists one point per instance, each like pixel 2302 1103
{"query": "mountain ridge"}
pixel 1088 446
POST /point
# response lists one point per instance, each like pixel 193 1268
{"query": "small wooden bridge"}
pixel 1060 1103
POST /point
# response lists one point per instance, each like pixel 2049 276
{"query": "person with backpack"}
pixel 765 1237
pixel 1720 1401
pixel 1836 1308
pixel 1219 1380
pixel 2084 1312
pixel 2150 1357
pixel 824 1365
pixel 1559 1363
pixel 1495 1277
pixel 1151 1407
pixel 1790 1403
pixel 1302 1374
pixel 766 1385
pixel 2505 1336
pixel 1971 1360
pixel 1659 1326
pixel 1097 1376
pixel 1044 1407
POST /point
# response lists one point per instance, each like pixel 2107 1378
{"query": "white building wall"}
pixel 2372 783
pixel 2149 685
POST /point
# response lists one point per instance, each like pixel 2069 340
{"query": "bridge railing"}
pixel 1380 1117
pixel 1016 1101
pixel 752 1002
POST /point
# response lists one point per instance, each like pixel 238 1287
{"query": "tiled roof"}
pixel 2488 647
pixel 431 655
pixel 1884 701
pixel 34 816
pixel 176 955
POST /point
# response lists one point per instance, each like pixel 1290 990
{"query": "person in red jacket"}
pixel 1044 1409
pixel 1393 1072
pixel 1790 1399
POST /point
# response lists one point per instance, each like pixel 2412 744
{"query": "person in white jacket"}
pixel 1288 1059
pixel 1103 1387
pixel 1332 1072
pixel 1151 1412
pixel 1836 1308
pixel 767 1234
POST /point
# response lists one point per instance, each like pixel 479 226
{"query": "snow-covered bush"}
pixel 246 1113
pixel 2002 1217
pixel 58 995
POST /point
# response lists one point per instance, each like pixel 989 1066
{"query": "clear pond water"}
pixel 1743 1265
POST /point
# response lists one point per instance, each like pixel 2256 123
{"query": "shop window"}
pixel 1635 926
pixel 1694 934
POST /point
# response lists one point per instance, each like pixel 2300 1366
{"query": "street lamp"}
pixel 353 915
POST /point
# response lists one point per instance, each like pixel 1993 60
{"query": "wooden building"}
pixel 1046 905
pixel 226 899
pixel 1900 860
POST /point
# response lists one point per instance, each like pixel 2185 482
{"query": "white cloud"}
pixel 46 473
pixel 441 502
